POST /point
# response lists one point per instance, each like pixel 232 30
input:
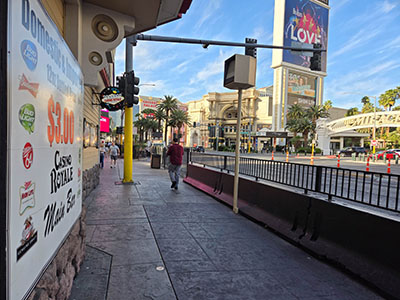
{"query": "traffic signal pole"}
pixel 128 141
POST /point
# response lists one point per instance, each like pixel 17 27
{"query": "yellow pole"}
pixel 312 149
pixel 128 144
pixel 128 127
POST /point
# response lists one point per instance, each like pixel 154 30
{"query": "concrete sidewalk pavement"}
pixel 145 241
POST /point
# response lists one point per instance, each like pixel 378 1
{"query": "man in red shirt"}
pixel 175 153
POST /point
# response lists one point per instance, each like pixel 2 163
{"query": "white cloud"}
pixel 261 34
pixel 336 6
pixel 361 38
pixel 147 87
pixel 371 80
pixel 211 69
pixel 387 6
pixel 184 93
pixel 208 12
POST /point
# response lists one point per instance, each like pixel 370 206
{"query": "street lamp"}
pixel 373 134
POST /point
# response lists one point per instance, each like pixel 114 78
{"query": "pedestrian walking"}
pixel 175 153
pixel 114 152
pixel 102 153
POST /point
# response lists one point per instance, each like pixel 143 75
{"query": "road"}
pixel 349 182
pixel 345 162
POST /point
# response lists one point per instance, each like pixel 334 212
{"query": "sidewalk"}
pixel 145 241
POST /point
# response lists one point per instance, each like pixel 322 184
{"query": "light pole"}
pixel 373 133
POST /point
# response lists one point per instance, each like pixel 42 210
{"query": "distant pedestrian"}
pixel 175 153
pixel 102 153
pixel 114 152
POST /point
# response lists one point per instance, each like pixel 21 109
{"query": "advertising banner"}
pixel 147 103
pixel 305 22
pixel 45 141
pixel 300 84
pixel 104 124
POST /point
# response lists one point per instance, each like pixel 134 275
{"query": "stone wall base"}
pixel 56 282
pixel 90 179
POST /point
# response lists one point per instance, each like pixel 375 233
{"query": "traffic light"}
pixel 251 51
pixel 132 89
pixel 121 84
pixel 316 61
pixel 120 130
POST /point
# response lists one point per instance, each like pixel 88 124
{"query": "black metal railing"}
pixel 370 188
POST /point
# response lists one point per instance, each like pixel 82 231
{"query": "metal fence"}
pixel 370 188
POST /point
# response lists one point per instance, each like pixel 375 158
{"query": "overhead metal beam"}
pixel 206 43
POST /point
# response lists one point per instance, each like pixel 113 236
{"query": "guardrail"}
pixel 370 188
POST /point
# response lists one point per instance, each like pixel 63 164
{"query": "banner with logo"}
pixel 45 142
pixel 305 22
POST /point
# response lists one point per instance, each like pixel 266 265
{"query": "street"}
pixel 350 182
pixel 345 162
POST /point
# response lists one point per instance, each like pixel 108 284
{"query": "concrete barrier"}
pixel 363 243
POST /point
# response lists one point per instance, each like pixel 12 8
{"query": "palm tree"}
pixel 328 105
pixel 167 105
pixel 159 116
pixel 148 113
pixel 295 112
pixel 351 112
pixel 388 98
pixel 292 126
pixel 305 126
pixel 179 118
pixel 365 100
pixel 315 112
pixel 368 107
pixel 139 124
pixel 149 126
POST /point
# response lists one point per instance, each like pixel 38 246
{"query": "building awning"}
pixel 149 13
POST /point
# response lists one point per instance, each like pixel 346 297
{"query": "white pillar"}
pixel 341 143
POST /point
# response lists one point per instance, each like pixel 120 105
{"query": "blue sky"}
pixel 363 49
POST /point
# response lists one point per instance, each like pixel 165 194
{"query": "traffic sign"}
pixel 374 143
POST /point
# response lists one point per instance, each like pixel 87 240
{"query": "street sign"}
pixel 374 143
pixel 111 99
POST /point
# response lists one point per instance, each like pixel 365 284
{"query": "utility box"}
pixel 155 161
pixel 240 72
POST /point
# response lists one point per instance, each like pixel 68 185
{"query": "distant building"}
pixel 214 117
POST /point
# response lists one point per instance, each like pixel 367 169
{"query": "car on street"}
pixel 348 151
pixel 199 149
pixel 390 154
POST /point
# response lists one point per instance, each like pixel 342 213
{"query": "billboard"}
pixel 305 22
pixel 104 124
pixel 45 143
pixel 300 84
pixel 149 103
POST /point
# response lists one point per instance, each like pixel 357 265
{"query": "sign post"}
pixel 239 73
